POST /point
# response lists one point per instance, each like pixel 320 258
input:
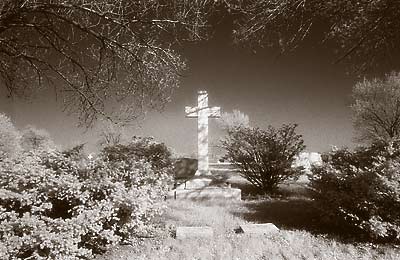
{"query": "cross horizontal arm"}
pixel 214 112
pixel 191 112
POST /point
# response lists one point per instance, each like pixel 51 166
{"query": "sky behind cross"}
pixel 302 87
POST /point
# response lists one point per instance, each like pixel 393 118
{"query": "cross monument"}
pixel 202 112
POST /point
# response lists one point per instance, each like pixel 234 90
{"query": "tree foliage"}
pixel 102 55
pixel 264 157
pixel 376 108
pixel 363 30
pixel 98 53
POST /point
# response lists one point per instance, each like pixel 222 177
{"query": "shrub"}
pixel 185 168
pixel 361 190
pixel 264 157
pixel 141 148
pixel 51 209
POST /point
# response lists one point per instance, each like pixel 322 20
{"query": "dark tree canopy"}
pixel 98 53
pixel 364 32
pixel 115 59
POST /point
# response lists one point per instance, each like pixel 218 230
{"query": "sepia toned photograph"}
pixel 199 129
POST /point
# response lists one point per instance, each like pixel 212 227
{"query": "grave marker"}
pixel 200 187
pixel 194 232
pixel 259 229
pixel 202 112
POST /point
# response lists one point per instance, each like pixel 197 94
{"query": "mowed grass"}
pixel 300 236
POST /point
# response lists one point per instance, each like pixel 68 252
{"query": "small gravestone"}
pixel 259 229
pixel 194 232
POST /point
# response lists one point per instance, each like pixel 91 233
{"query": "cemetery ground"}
pixel 291 210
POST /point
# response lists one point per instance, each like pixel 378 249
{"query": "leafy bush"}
pixel 264 157
pixel 361 189
pixel 185 168
pixel 146 148
pixel 51 207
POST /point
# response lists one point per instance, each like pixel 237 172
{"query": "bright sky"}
pixel 302 87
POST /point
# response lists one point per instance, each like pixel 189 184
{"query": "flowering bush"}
pixel 53 208
pixel 264 157
pixel 361 189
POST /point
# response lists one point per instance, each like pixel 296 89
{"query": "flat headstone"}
pixel 194 232
pixel 259 229
pixel 207 194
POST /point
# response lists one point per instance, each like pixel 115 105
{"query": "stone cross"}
pixel 202 112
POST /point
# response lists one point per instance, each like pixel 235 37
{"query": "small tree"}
pixel 9 137
pixel 376 109
pixel 111 134
pixel 234 119
pixel 264 157
pixel 36 139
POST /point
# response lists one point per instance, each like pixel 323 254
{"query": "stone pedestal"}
pixel 206 194
pixel 195 183
pixel 199 189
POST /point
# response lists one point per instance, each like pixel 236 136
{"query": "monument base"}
pixel 202 173
pixel 198 182
pixel 206 194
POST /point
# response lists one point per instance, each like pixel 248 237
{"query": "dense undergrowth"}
pixel 61 205
pixel 360 191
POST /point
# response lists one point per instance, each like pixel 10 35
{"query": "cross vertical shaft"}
pixel 202 137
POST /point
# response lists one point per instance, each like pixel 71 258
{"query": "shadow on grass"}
pixel 291 208
pixel 284 213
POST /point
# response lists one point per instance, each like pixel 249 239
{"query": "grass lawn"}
pixel 300 236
